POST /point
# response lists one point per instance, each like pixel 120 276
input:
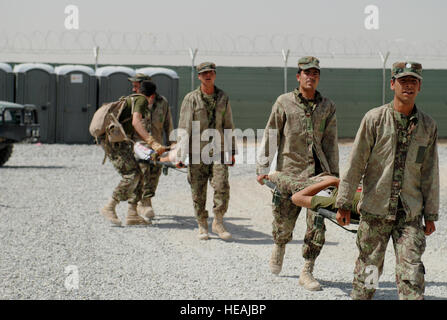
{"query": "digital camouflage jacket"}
pixel 373 156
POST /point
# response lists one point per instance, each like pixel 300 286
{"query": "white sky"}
pixel 408 29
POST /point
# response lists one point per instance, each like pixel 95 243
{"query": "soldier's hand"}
pixel 343 217
pixel 262 177
pixel 429 227
pixel 158 148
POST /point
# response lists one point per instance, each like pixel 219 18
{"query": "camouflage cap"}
pixel 407 68
pixel 206 66
pixel 308 62
pixel 139 77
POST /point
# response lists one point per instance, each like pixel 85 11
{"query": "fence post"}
pixel 192 54
pixel 285 56
pixel 96 54
pixel 384 59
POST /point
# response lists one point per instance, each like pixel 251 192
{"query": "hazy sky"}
pixel 232 26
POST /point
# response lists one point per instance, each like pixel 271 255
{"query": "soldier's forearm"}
pixel 345 195
pixel 140 130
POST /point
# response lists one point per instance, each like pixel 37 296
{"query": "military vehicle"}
pixel 17 123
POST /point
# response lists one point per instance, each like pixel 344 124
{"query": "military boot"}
pixel 144 209
pixel 218 227
pixel 203 229
pixel 108 211
pixel 306 279
pixel 277 258
pixel 133 219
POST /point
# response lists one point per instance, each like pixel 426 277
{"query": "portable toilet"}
pixel 167 82
pixel 6 83
pixel 113 83
pixel 76 103
pixel 36 84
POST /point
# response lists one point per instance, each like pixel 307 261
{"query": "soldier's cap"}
pixel 308 62
pixel 139 77
pixel 206 66
pixel 406 68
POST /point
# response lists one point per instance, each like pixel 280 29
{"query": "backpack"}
pixel 106 122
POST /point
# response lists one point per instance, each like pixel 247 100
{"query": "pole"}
pixel 192 54
pixel 384 59
pixel 95 54
pixel 285 56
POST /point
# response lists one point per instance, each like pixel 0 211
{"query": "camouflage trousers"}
pixel 409 245
pixel 284 219
pixel 198 176
pixel 285 214
pixel 151 176
pixel 122 157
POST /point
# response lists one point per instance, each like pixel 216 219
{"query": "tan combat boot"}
pixel 306 278
pixel 133 219
pixel 218 227
pixel 203 229
pixel 144 209
pixel 277 258
pixel 109 212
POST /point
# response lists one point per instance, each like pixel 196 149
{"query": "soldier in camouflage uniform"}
pixel 157 120
pixel 307 145
pixel 122 157
pixel 395 150
pixel 209 107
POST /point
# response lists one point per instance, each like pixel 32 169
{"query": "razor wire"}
pixel 147 43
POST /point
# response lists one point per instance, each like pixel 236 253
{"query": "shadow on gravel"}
pixel 241 233
pixel 33 167
pixel 180 222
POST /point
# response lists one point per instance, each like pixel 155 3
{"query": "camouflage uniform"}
pixel 211 112
pixel 288 185
pixel 157 119
pixel 217 174
pixel 122 156
pixel 397 157
pixel 307 145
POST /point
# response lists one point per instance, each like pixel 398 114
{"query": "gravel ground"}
pixel 49 201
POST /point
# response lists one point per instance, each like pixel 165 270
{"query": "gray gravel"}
pixel 49 201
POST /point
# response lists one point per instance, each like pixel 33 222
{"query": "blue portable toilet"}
pixel 36 84
pixel 76 103
pixel 113 83
pixel 167 82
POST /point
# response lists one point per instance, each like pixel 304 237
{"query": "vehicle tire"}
pixel 5 153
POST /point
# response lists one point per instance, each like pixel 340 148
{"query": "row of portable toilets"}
pixel 67 96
